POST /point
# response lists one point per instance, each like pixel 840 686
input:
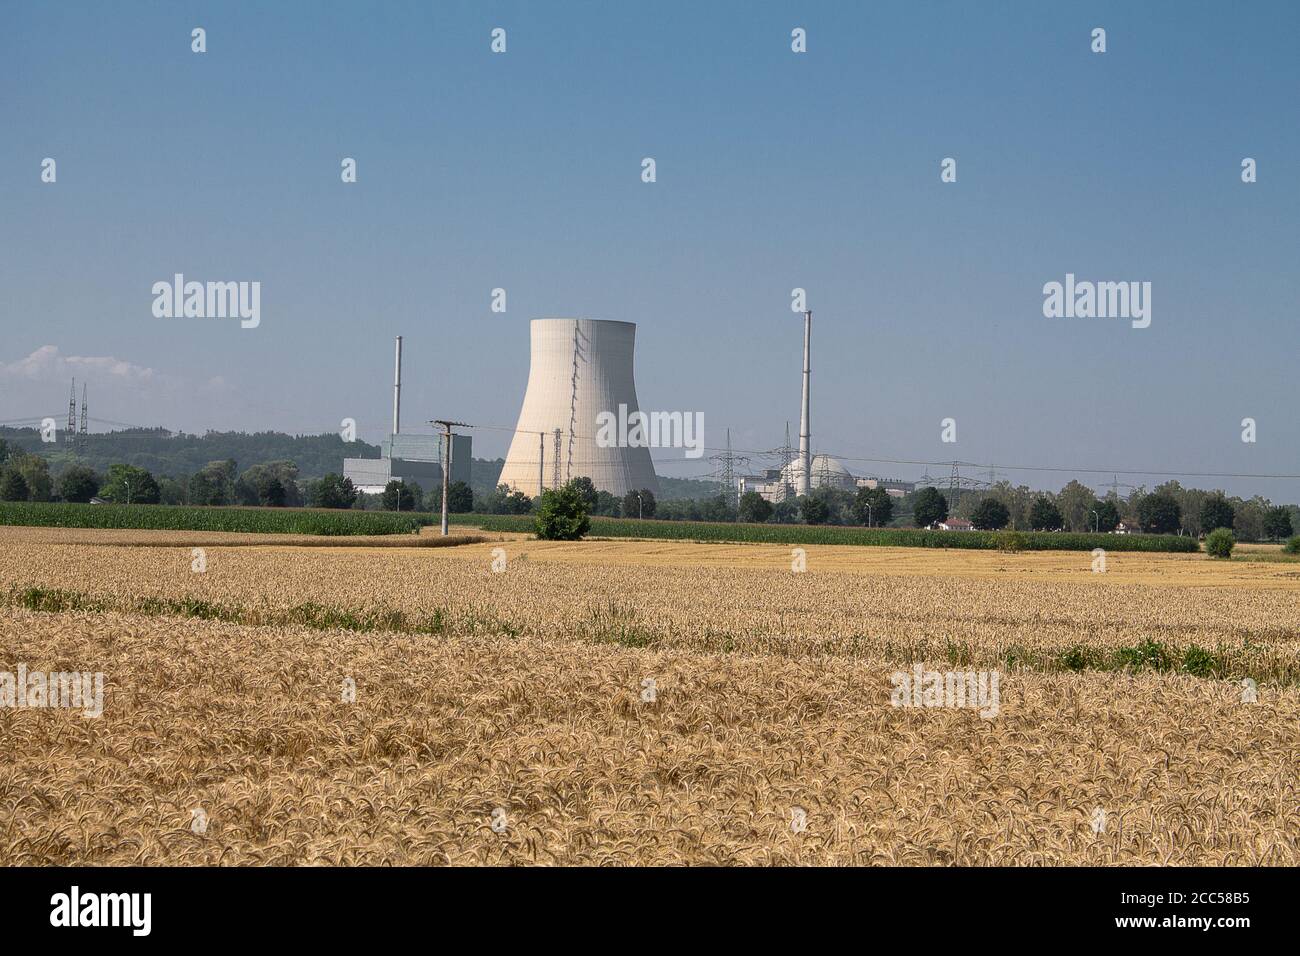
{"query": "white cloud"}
pixel 47 363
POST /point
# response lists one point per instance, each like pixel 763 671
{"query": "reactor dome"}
pixel 827 472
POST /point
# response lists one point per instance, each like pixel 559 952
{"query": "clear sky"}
pixel 775 170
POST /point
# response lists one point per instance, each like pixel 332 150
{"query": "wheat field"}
pixel 502 716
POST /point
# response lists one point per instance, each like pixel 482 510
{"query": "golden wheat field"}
pixel 642 703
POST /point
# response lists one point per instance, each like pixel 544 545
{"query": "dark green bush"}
pixel 561 514
pixel 1219 543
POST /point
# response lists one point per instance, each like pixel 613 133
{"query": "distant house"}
pixel 1127 527
pixel 98 501
pixel 955 524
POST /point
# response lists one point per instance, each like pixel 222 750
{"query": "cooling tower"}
pixel 580 368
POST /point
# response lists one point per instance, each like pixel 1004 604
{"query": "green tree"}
pixel 990 515
pixel 333 491
pixel 1248 524
pixel 1277 523
pixel 214 484
pixel 1219 542
pixel 252 486
pixel 273 494
pixel 561 514
pixel 1216 513
pixel 78 483
pixel 607 505
pixel 814 509
pixel 1074 502
pixel 36 474
pixel 716 508
pixel 1159 513
pixel 460 498
pixel 1044 515
pixel 929 507
pixel 753 508
pixel 639 504
pixel 584 487
pixel 397 497
pixel 127 484
pixel 172 491
pixel 873 507
pixel 12 485
pixel 1104 517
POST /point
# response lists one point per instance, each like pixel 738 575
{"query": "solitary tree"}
pixel 561 514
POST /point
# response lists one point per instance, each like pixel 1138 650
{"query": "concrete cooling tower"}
pixel 580 368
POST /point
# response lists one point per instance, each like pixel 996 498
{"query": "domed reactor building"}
pixel 579 369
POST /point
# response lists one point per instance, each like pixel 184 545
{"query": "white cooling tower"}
pixel 580 368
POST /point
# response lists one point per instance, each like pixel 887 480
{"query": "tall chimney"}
pixel 397 388
pixel 805 453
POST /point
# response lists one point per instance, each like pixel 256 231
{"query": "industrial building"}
pixel 778 484
pixel 408 457
pixel 579 368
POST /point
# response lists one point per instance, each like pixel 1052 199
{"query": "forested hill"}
pixel 178 455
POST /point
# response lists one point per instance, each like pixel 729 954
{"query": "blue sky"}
pixel 775 170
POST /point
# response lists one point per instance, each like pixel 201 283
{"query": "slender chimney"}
pixel 805 454
pixel 397 388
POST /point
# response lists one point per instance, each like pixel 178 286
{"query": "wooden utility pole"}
pixel 446 466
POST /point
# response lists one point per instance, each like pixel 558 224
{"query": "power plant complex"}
pixel 580 371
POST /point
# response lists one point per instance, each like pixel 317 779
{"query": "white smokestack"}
pixel 805 452
pixel 397 388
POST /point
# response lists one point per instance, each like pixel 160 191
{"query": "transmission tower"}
pixel 71 435
pixel 728 470
pixel 84 430
pixel 725 469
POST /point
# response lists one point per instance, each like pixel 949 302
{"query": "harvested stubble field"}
pixel 522 690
